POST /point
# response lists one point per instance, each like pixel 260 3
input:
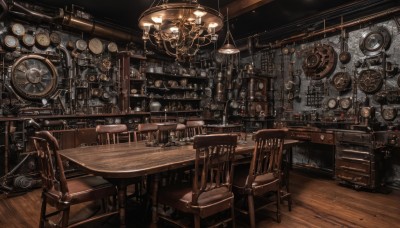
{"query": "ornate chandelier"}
pixel 180 29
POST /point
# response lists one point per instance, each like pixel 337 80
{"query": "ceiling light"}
pixel 180 29
pixel 228 48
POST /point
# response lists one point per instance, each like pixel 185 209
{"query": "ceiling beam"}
pixel 239 7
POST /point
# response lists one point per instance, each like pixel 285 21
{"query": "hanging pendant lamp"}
pixel 228 48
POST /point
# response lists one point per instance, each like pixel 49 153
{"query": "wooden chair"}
pixel 194 127
pixel 211 188
pixel 146 131
pixel 264 174
pixel 111 134
pixel 62 193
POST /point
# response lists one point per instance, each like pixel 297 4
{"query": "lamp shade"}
pixel 228 49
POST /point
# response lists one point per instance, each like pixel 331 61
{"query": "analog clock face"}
pixel 10 41
pixel 365 112
pixel 18 29
pixel 81 45
pixel 112 47
pixel 55 38
pixel 28 40
pixel 42 40
pixel 96 46
pixel 389 114
pixel 332 103
pixel 345 103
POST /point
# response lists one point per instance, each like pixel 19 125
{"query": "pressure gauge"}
pixel 28 40
pixel 11 42
pixel 112 47
pixel 18 29
pixel 365 112
pixel 332 103
pixel 81 45
pixel 389 114
pixel 345 103
pixel 42 40
pixel 260 85
pixel 55 38
pixel 96 46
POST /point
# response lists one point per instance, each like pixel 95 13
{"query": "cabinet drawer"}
pixel 356 138
pixel 345 164
pixel 354 152
pixel 353 177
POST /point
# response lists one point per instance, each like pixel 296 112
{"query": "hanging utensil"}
pixel 344 56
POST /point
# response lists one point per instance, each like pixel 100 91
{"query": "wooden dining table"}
pixel 120 163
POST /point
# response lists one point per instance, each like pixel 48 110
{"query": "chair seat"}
pixel 87 188
pixel 242 172
pixel 180 197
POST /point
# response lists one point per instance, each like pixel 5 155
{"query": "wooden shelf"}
pixel 176 76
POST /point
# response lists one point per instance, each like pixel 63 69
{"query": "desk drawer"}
pixel 357 178
pixel 322 138
pixel 351 165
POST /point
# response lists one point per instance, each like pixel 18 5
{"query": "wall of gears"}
pixel 336 78
pixel 46 70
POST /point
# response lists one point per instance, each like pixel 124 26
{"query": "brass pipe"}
pixel 303 36
pixel 96 29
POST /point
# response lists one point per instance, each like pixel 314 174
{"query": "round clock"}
pixel 365 112
pixel 345 103
pixel 18 29
pixel 81 45
pixel 389 114
pixel 42 40
pixel 96 46
pixel 55 38
pixel 28 40
pixel 11 42
pixel 332 103
pixel 112 47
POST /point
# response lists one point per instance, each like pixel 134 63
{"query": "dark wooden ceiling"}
pixel 247 17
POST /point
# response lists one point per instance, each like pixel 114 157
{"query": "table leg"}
pixel 154 192
pixel 122 203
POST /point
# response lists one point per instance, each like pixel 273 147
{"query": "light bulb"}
pixel 157 20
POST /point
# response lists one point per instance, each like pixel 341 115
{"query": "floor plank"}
pixel 318 202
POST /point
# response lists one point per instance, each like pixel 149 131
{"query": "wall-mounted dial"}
pixel 18 29
pixel 389 114
pixel 345 103
pixel 81 45
pixel 11 42
pixel 55 38
pixel 42 40
pixel 28 40
pixel 332 103
pixel 96 46
pixel 112 47
pixel 365 112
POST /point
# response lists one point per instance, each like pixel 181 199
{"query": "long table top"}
pixel 127 160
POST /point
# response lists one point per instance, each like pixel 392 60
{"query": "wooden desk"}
pixel 220 128
pixel 121 162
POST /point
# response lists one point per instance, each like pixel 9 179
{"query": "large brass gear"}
pixel 370 81
pixel 34 77
pixel 341 81
pixel 320 61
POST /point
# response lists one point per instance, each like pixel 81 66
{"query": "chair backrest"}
pixel 194 127
pixel 146 131
pixel 109 134
pixel 50 165
pixel 267 154
pixel 165 130
pixel 213 164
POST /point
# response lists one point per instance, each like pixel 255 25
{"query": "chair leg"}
pixel 43 211
pixel 196 221
pixel 65 217
pixel 278 206
pixel 250 202
pixel 233 213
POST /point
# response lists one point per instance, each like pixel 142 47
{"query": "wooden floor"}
pixel 318 202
